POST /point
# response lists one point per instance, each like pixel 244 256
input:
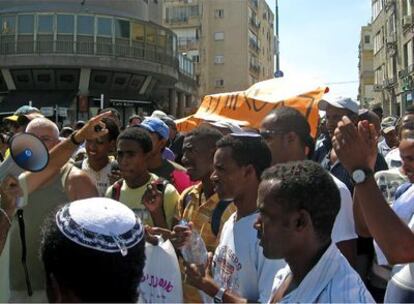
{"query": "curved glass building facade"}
pixel 81 50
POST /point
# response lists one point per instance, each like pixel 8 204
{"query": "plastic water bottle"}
pixel 195 251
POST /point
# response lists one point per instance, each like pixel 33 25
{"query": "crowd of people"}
pixel 285 217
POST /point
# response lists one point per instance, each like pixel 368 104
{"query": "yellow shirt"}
pixel 199 210
pixel 132 197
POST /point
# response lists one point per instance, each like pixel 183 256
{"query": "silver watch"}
pixel 218 298
pixel 360 175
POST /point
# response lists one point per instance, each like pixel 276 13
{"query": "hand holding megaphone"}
pixel 93 129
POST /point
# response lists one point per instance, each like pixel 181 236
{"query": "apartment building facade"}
pixel 393 49
pixel 231 42
pixel 365 66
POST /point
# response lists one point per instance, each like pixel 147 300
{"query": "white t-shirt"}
pixel 393 158
pixel 344 225
pixel 100 178
pixel 402 274
pixel 239 264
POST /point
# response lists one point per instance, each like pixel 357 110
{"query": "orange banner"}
pixel 245 109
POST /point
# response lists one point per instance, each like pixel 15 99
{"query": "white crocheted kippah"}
pixel 100 223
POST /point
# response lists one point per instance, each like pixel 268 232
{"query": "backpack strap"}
pixel 116 189
pixel 217 214
pixel 401 190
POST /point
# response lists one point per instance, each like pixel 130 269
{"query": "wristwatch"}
pixel 218 298
pixel 360 175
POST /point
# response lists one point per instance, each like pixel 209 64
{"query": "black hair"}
pixel 113 130
pixel 306 185
pixel 112 110
pixel 92 275
pixel 377 108
pixel 206 135
pixel 248 150
pixel 66 132
pixel 169 122
pixel 79 124
pixel 131 118
pixel 139 135
pixel 291 120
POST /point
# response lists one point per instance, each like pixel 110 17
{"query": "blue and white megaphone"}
pixel 27 153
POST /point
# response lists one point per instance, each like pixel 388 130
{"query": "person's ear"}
pixel 302 220
pixel 250 170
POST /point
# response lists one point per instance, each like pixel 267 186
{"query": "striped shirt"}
pixel 331 280
pixel 194 206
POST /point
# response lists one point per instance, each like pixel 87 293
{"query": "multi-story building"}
pixel 392 28
pixel 366 71
pixel 231 42
pixel 63 55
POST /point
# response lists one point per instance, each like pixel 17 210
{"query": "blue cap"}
pixel 156 125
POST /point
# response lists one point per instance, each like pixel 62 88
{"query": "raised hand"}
pixel 93 129
pixel 355 147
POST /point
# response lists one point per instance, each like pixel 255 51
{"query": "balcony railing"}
pixel 102 47
pixel 185 44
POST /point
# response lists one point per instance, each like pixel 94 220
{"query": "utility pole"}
pixel 278 72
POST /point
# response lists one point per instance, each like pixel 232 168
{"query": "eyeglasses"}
pixel 266 134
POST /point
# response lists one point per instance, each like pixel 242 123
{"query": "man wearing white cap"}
pixel 335 109
pixel 93 251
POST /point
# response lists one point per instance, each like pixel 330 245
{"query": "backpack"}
pixel 217 212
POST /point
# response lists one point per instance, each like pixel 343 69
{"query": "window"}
pixel 8 25
pixel 377 6
pixel 45 24
pixel 138 32
pixel 367 39
pixel 219 13
pixel 219 83
pixel 219 36
pixel 122 29
pixel 379 75
pixel 26 24
pixel 104 27
pixel 65 24
pixel 219 59
pixel 181 13
pixel 408 54
pixel 151 34
pixel 85 25
pixel 196 58
pixel 378 41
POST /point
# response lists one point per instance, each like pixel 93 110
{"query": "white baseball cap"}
pixel 339 102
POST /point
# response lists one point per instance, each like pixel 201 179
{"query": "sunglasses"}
pixel 266 134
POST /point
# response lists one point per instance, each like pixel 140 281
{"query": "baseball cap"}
pixel 388 124
pixel 339 102
pixel 158 114
pixel 24 111
pixel 234 128
pixel 156 125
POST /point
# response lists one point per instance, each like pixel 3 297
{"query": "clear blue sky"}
pixel 319 39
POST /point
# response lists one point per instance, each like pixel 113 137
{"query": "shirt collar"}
pixel 318 278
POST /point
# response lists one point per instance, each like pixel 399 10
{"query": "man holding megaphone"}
pixel 43 192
